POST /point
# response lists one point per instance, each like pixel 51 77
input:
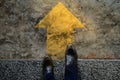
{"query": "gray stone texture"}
pixel 19 39
pixel 89 69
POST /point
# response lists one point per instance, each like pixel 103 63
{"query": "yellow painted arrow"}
pixel 60 24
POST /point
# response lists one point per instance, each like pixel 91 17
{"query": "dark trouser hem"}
pixel 49 76
pixel 71 72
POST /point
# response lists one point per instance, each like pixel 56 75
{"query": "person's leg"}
pixel 48 73
pixel 71 72
pixel 49 76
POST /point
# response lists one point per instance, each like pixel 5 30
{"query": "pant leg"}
pixel 71 72
pixel 49 76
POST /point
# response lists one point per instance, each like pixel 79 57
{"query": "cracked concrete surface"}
pixel 19 39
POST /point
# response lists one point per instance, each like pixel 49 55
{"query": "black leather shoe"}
pixel 47 65
pixel 71 56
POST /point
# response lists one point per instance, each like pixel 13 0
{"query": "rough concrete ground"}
pixel 89 69
pixel 19 39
